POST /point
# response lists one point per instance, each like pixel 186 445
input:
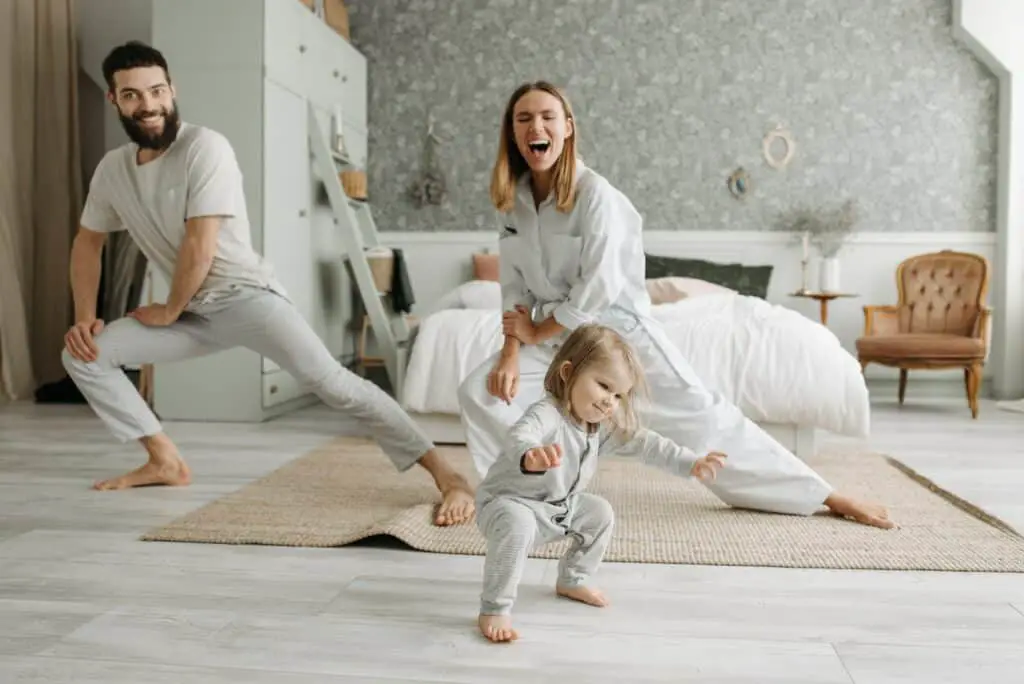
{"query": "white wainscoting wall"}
pixel 438 262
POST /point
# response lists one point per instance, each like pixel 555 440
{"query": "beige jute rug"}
pixel 348 490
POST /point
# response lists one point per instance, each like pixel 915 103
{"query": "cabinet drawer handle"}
pixel 273 389
pixel 302 213
pixel 302 48
pixel 336 73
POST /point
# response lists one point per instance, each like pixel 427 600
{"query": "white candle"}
pixel 337 124
pixel 807 247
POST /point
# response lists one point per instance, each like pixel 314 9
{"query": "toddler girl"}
pixel 534 494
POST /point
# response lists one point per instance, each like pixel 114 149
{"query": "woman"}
pixel 571 253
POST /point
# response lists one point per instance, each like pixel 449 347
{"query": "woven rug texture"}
pixel 347 491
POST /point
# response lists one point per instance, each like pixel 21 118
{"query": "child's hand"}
pixel 543 458
pixel 707 468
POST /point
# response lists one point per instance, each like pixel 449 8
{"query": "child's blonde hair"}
pixel 510 165
pixel 597 344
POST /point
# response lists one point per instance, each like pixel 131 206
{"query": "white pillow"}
pixel 474 294
pixel 675 288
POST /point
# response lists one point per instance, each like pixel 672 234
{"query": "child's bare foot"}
pixel 860 511
pixel 497 628
pixel 588 595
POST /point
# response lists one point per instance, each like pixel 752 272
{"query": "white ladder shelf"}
pixel 358 232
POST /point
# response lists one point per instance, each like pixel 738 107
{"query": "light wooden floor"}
pixel 81 600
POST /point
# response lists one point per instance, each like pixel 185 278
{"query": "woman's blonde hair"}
pixel 586 346
pixel 510 164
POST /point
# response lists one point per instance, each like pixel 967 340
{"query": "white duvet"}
pixel 775 364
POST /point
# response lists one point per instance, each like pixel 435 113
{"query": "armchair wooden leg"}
pixel 903 384
pixel 863 365
pixel 973 374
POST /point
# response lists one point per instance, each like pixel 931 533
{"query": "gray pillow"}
pixel 747 280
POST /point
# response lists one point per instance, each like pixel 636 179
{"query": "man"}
pixel 222 292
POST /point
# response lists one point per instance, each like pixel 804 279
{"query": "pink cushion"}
pixel 674 288
pixel 485 267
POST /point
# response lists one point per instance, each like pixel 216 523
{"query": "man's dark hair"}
pixel 132 55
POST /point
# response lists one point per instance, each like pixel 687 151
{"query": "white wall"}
pixel 438 262
pixel 997 25
pixel 994 31
pixel 102 24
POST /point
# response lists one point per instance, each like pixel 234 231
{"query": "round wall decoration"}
pixel 778 159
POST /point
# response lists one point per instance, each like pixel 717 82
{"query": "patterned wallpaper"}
pixel 671 96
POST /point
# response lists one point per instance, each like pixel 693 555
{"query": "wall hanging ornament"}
pixel 739 183
pixel 775 158
pixel 430 187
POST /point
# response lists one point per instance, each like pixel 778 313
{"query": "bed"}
pixel 786 372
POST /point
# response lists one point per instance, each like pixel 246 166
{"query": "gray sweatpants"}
pixel 513 527
pixel 258 319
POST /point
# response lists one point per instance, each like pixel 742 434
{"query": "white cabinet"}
pixel 287 233
pixel 336 74
pixel 285 38
pixel 312 60
pixel 248 68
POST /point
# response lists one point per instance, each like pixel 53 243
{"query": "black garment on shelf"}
pixel 402 297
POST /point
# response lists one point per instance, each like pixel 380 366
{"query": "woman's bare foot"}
pixel 165 467
pixel 497 628
pixel 588 595
pixel 863 512
pixel 457 500
pixel 457 505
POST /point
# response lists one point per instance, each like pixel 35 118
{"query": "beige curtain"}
pixel 40 188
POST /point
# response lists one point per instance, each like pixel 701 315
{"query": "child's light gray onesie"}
pixel 519 510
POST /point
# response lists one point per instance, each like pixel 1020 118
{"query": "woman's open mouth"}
pixel 538 148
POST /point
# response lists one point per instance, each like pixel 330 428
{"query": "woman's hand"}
pixel 503 380
pixel 518 324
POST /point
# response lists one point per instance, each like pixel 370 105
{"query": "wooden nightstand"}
pixel 823 298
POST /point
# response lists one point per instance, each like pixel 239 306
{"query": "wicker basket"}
pixel 382 268
pixel 335 15
pixel 354 183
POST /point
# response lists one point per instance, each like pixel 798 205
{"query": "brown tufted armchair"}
pixel 940 321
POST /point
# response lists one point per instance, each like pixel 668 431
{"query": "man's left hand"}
pixel 518 324
pixel 154 315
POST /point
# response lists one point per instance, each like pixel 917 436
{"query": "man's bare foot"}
pixel 588 595
pixel 457 500
pixel 150 475
pixel 863 512
pixel 165 467
pixel 497 628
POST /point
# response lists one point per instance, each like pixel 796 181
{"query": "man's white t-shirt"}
pixel 198 175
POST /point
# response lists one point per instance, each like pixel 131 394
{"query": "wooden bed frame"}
pixel 446 428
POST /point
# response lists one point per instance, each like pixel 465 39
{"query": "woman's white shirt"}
pixel 578 266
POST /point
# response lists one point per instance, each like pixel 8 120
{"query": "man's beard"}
pixel 149 140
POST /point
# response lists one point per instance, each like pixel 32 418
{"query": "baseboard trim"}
pixel 716 237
